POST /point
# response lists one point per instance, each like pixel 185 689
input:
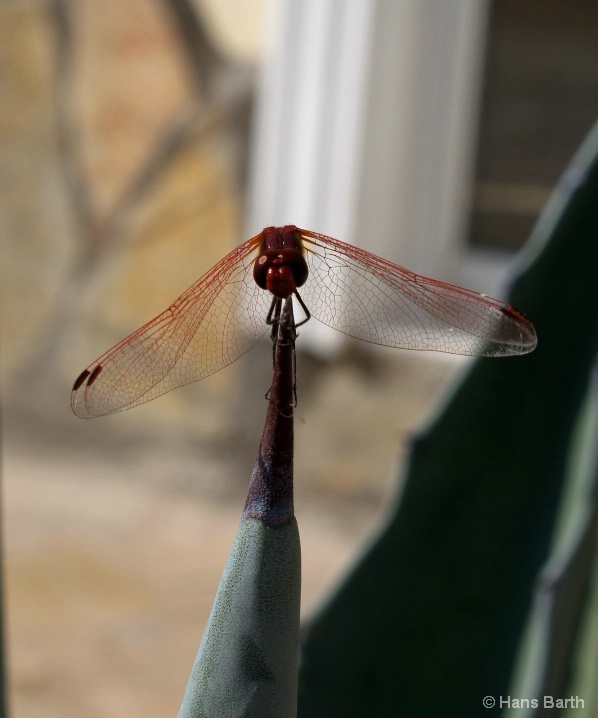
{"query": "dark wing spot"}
pixel 80 379
pixel 94 375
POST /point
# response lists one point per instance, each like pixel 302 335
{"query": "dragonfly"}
pixel 231 307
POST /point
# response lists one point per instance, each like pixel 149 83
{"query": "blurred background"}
pixel 140 141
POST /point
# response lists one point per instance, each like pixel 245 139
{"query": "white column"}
pixel 309 126
pixel 418 156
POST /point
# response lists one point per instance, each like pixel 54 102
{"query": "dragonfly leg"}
pixel 281 315
pixel 294 377
pixel 273 320
pixel 305 310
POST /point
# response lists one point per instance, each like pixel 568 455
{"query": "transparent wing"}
pixel 362 295
pixel 209 326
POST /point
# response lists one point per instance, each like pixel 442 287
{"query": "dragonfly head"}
pixel 281 267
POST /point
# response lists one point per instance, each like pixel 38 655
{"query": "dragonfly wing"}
pixel 372 299
pixel 208 327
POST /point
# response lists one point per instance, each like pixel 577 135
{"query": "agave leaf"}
pixel 429 621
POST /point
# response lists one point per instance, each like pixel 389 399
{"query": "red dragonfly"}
pixel 231 307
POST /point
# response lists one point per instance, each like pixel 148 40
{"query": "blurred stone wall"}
pixel 123 135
